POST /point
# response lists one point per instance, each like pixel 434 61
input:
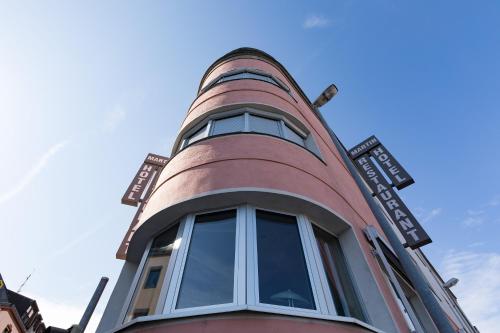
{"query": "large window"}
pixel 250 121
pixel 283 275
pixel 246 73
pixel 245 258
pixel 208 276
pixel 147 292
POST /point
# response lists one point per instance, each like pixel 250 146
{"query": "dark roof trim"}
pixel 248 51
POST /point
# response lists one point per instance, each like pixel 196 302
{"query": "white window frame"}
pixel 239 267
pixel 253 273
pixel 245 288
pixel 275 81
pixel 166 279
pixel 308 142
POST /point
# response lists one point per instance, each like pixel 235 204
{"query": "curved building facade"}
pixel 255 224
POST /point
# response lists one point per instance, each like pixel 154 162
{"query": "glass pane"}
pixel 341 287
pixel 264 125
pixel 246 75
pixel 229 125
pixel 291 135
pixel 208 277
pixel 199 134
pixel 283 275
pixel 149 285
pixel 403 309
pixel 153 276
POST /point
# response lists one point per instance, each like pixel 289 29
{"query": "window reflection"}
pixel 148 289
pixel 282 270
pixel 264 125
pixel 228 125
pixel 341 288
pixel 208 277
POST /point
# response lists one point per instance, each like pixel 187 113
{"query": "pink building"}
pixel 256 225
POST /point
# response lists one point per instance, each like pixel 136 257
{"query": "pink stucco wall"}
pixel 249 324
pixel 251 160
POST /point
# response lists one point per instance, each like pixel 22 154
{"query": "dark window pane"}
pixel 264 125
pixel 208 277
pixel 153 276
pixel 228 125
pixel 341 287
pixel 247 75
pixel 146 295
pixel 283 275
pixel 198 135
pixel 291 135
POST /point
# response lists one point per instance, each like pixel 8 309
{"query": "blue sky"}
pixel 88 89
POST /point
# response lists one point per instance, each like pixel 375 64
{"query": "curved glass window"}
pixel 283 276
pixel 337 273
pixel 265 125
pixel 246 73
pixel 208 276
pixel 148 288
pixel 228 125
pixel 250 122
pixel 245 258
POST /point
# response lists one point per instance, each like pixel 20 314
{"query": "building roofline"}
pixel 249 51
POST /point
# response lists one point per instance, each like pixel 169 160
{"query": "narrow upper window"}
pixel 251 121
pixel 282 271
pixel 292 135
pixel 228 125
pixel 246 73
pixel 208 277
pixel 264 125
pixel 198 135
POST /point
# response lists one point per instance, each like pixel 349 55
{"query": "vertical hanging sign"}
pixel 141 180
pixel 413 233
pixel 396 173
pixel 144 181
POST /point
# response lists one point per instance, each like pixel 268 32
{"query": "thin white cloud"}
pixel 479 288
pixel 474 218
pixel 495 201
pixel 473 221
pixel 425 215
pixel 432 214
pixel 71 244
pixel 63 315
pixel 316 21
pixel 472 212
pixel 113 118
pixel 33 172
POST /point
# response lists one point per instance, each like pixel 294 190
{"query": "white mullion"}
pixel 131 292
pixel 325 286
pixel 169 277
pixel 312 266
pixel 336 277
pixel 252 269
pixel 247 122
pixel 179 266
pixel 282 129
pixel 240 258
pixel 209 128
